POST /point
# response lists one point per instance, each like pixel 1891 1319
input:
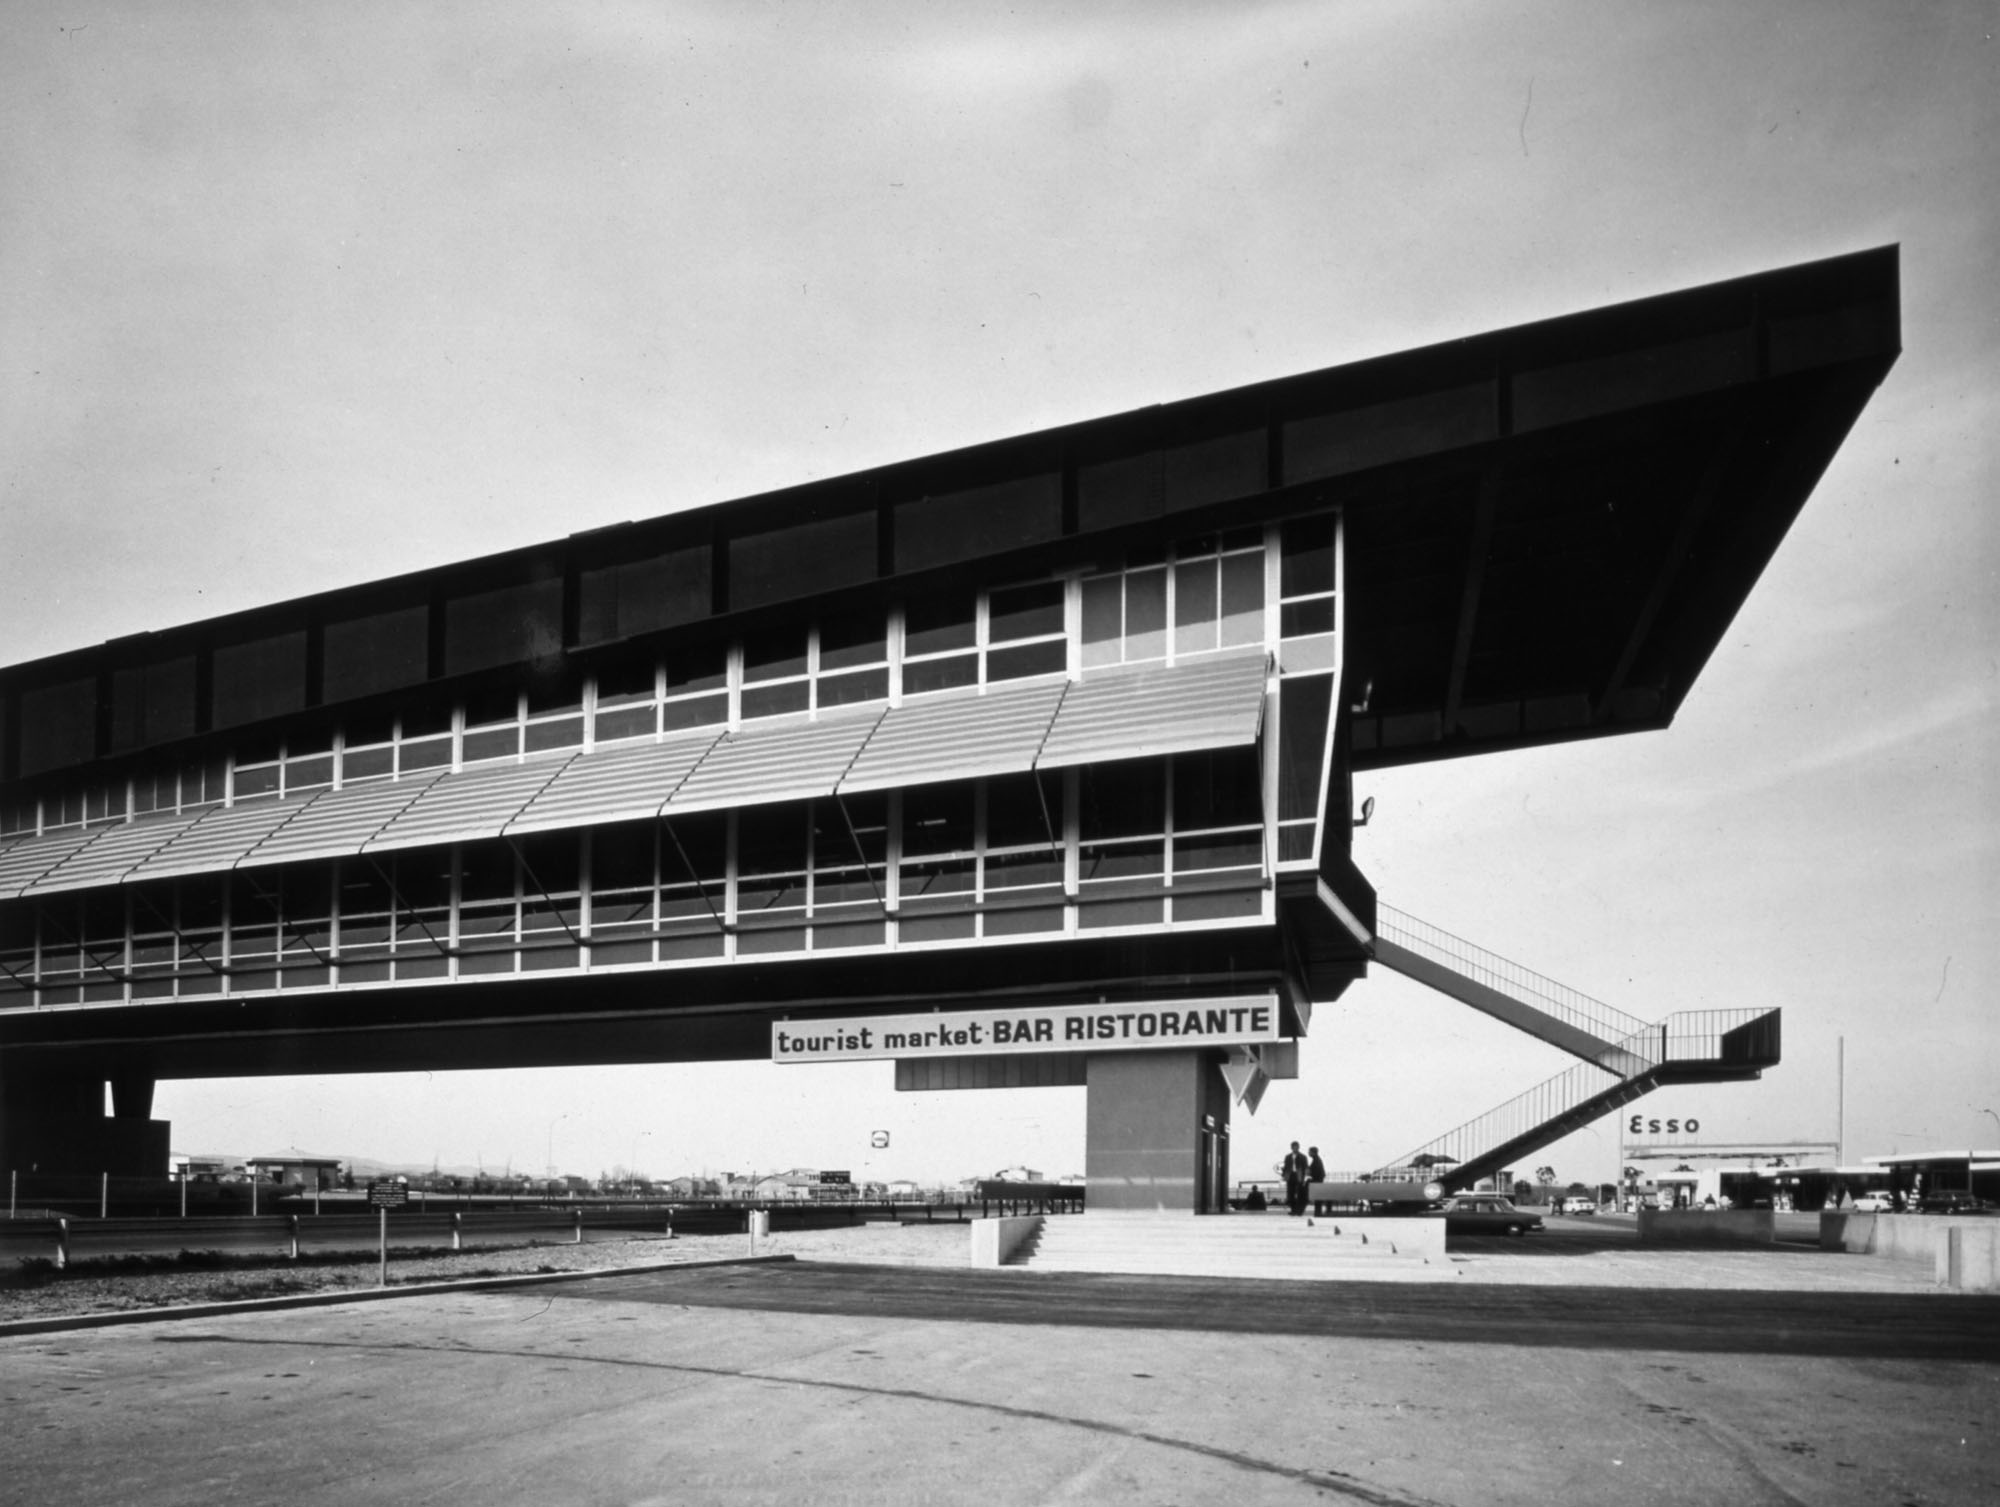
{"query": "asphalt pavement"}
pixel 815 1382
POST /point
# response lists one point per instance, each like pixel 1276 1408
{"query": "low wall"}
pixel 995 1241
pixel 1707 1227
pixel 1964 1253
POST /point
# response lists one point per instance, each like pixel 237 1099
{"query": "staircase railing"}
pixel 1571 1006
pixel 1525 1112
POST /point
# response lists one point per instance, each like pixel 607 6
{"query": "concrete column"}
pixel 1143 1124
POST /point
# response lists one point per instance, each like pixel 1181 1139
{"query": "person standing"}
pixel 1315 1173
pixel 1296 1169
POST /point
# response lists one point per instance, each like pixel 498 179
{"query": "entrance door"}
pixel 1212 1195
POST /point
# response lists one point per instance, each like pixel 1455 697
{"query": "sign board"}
pixel 836 1177
pixel 388 1195
pixel 1232 1021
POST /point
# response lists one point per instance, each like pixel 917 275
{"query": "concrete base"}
pixel 995 1242
pixel 1707 1227
pixel 1963 1252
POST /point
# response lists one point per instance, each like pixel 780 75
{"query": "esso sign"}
pixel 1640 1125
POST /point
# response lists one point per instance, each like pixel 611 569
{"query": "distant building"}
pixel 294 1170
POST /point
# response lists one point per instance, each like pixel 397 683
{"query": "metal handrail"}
pixel 1572 1006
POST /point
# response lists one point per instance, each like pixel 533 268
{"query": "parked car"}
pixel 1957 1203
pixel 1873 1203
pixel 1578 1206
pixel 1486 1214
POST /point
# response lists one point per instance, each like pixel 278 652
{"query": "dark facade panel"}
pixel 58 726
pixel 258 680
pixel 153 704
pixel 1112 493
pixel 1216 469
pixel 1379 434
pixel 484 630
pixel 975 521
pixel 1632 379
pixel 645 596
pixel 801 559
pixel 384 651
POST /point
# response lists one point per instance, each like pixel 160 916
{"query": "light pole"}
pixel 1996 1117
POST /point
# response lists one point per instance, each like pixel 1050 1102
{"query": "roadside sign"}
pixel 388 1195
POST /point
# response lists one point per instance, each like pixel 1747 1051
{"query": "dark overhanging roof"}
pixel 1549 529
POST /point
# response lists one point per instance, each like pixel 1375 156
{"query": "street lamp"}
pixel 1996 1117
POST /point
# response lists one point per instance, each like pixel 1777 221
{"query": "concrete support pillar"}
pixel 1145 1123
pixel 52 1119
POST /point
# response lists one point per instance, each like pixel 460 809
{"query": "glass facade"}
pixel 1191 839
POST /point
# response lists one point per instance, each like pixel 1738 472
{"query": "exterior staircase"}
pixel 1621 1056
pixel 1273 1246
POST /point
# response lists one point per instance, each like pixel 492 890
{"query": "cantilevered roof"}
pixel 1549 529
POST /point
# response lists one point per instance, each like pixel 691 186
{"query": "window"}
pixel 627 702
pixel 697 688
pixel 938 879
pixel 488 906
pixel 771 869
pixel 941 643
pixel 623 879
pixel 551 900
pixel 853 662
pixel 1022 868
pixel 850 871
pixel 1024 631
pixel 1216 590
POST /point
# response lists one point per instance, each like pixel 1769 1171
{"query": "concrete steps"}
pixel 1276 1247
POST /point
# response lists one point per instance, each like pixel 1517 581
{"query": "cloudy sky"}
pixel 295 297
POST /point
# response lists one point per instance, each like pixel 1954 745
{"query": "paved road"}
pixel 835 1384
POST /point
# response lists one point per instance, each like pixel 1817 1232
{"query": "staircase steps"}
pixel 1269 1246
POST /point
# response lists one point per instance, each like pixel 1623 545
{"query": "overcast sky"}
pixel 295 297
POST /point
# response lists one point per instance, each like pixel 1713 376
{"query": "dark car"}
pixel 1486 1214
pixel 1957 1203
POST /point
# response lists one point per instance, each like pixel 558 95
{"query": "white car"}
pixel 1578 1206
pixel 1873 1203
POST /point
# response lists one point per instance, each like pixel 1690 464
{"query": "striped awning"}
pixel 467 807
pixel 629 783
pixel 956 736
pixel 337 823
pixel 115 853
pixel 768 764
pixel 1216 701
pixel 25 861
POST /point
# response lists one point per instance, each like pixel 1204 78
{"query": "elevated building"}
pixel 1029 763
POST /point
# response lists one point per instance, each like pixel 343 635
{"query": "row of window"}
pixel 1203 595
pixel 1140 843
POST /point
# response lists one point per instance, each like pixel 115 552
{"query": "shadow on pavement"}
pixel 1857 1325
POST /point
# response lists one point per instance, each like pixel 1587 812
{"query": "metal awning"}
pixel 23 862
pixel 338 822
pixel 791 763
pixel 115 853
pixel 1216 701
pixel 630 783
pixel 956 736
pixel 219 841
pixel 478 803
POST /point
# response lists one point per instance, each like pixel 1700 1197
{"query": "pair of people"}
pixel 1301 1171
